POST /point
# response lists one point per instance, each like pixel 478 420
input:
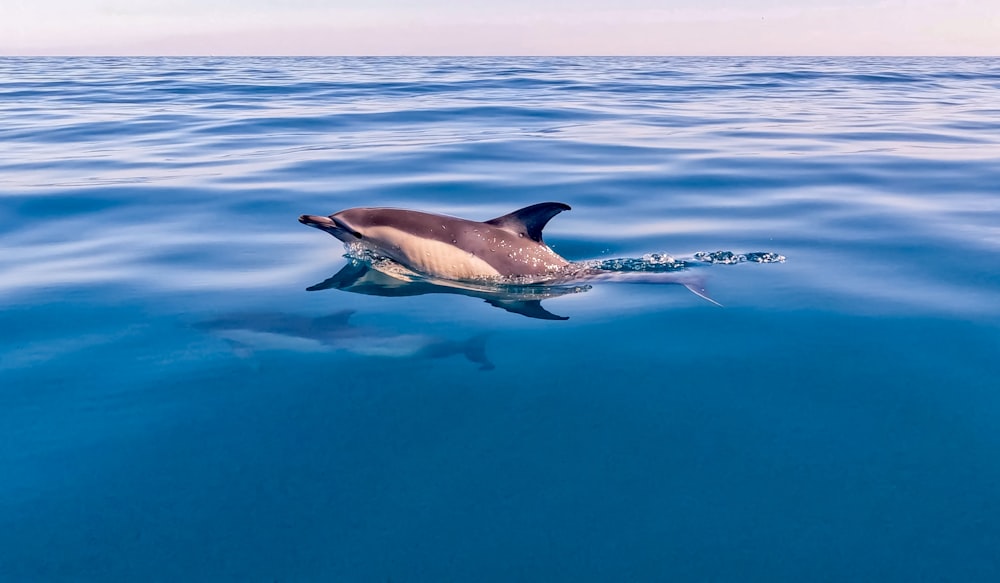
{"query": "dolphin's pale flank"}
pixel 450 247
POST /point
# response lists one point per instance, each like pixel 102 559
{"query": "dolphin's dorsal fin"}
pixel 530 220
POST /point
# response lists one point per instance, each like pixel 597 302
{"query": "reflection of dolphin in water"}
pixel 360 277
pixel 293 332
pixel 503 261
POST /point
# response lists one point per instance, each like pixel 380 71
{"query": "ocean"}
pixel 196 387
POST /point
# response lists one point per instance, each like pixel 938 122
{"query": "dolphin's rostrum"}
pixel 449 247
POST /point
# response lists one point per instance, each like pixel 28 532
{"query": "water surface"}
pixel 835 420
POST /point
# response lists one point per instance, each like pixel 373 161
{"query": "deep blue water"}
pixel 836 420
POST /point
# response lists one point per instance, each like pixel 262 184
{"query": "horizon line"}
pixel 492 56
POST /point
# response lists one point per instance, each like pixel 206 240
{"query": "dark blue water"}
pixel 836 420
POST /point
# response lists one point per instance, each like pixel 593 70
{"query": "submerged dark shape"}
pixel 253 331
pixel 360 277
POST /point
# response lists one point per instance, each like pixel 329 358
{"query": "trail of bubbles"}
pixel 729 257
pixel 657 262
pixel 661 262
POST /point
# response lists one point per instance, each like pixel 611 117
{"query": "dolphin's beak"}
pixel 335 227
pixel 315 221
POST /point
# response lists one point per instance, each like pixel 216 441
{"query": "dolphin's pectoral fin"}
pixel 348 275
pixel 328 284
pixel 529 308
pixel 530 220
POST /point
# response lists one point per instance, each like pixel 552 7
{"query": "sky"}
pixel 494 27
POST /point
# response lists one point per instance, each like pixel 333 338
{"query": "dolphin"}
pixel 448 247
pixel 461 256
pixel 253 331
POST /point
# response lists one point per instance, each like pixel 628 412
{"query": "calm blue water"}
pixel 836 420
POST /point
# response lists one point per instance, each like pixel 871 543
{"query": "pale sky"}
pixel 491 27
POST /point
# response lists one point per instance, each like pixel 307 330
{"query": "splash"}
pixel 729 257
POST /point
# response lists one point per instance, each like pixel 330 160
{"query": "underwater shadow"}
pixel 250 332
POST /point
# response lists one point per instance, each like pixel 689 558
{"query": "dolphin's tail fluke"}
pixel 473 349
